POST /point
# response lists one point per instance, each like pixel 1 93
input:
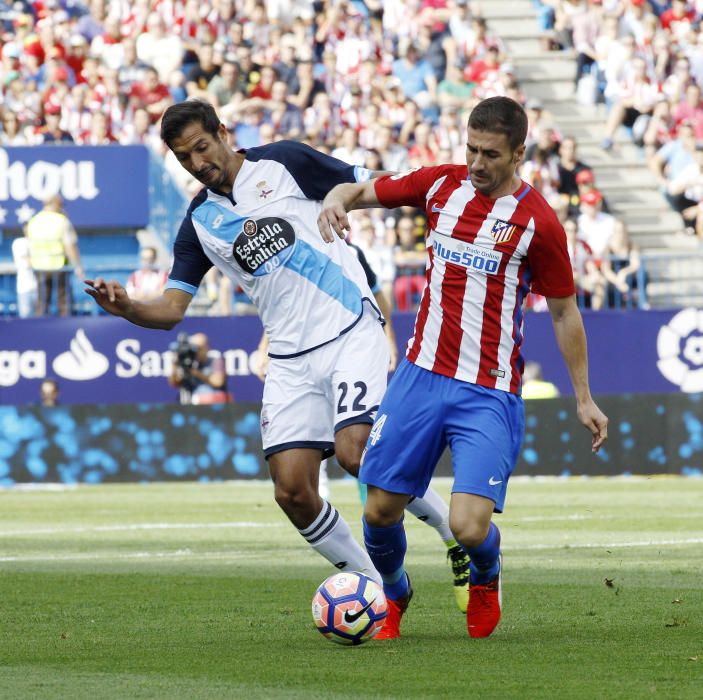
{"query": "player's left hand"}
pixel 333 219
pixel 594 420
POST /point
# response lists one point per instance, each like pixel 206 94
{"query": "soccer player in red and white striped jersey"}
pixel 491 239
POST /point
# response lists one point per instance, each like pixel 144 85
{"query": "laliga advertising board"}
pixel 101 359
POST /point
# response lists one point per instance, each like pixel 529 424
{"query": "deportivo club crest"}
pixel 250 228
pixel 263 191
pixel 502 231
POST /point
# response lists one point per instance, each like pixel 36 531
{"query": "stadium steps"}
pixel 622 174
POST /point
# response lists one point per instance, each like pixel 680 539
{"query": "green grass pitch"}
pixel 203 591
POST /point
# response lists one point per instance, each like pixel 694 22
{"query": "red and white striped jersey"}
pixel 485 255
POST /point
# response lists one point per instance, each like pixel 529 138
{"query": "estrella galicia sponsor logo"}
pixel 82 361
pixel 467 255
pixel 264 245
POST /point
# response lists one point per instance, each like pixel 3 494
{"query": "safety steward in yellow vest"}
pixel 52 243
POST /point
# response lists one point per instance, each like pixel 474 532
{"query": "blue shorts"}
pixel 421 413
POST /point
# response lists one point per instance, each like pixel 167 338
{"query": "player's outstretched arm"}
pixel 340 200
pixel 571 337
pixel 163 312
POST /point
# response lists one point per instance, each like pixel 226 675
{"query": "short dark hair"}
pixel 177 117
pixel 500 115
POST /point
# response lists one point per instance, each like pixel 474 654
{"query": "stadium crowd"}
pixel 381 84
pixel 644 60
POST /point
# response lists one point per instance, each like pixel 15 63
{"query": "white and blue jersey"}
pixel 264 237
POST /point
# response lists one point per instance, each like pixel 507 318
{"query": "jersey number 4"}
pixel 357 404
pixel 375 434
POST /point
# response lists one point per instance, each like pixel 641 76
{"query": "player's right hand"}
pixel 333 219
pixel 109 294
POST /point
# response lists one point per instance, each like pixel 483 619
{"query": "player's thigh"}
pixel 407 437
pixel 358 372
pixel 296 411
pixel 484 432
pixel 349 444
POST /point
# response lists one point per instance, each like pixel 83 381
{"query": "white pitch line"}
pixel 608 545
pixel 230 556
pixel 135 527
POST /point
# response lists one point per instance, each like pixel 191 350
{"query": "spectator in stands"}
pixel 685 193
pixel 148 281
pixel 25 279
pixel 595 228
pixel 151 94
pixel 690 110
pixel 534 386
pixel 284 116
pixel 225 88
pixel 569 169
pixel 409 258
pixel 659 129
pixel 159 49
pixel 588 279
pixel 349 150
pixel 200 75
pixel 53 243
pixel 99 133
pixel 51 131
pixel 49 393
pixel 673 158
pixel 586 183
pixel 453 90
pixel 541 171
pixel 12 134
pixel 621 270
pixel 637 95
pixel 200 376
pixel 417 79
pixel 304 86
pixel 585 28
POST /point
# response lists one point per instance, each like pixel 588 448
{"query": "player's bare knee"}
pixel 297 500
pixel 468 531
pixel 350 462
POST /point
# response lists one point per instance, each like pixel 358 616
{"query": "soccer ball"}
pixel 349 608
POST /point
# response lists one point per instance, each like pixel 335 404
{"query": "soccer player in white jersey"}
pixel 491 238
pixel 255 220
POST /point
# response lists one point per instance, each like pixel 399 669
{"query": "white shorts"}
pixel 307 399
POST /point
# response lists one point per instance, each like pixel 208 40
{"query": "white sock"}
pixel 432 509
pixel 330 536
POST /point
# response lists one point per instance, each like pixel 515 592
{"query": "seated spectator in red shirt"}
pixel 691 110
pixel 678 18
pixel 150 94
pixel 264 87
pixel 99 133
pixel 148 281
pixel 481 68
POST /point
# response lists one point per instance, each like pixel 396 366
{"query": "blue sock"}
pixel 386 547
pixel 484 558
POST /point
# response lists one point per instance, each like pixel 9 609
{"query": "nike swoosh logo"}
pixel 493 482
pixel 435 208
pixel 353 617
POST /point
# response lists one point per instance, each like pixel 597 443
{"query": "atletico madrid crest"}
pixel 502 231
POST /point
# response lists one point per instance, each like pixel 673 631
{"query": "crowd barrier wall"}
pixel 105 359
pixel 650 434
